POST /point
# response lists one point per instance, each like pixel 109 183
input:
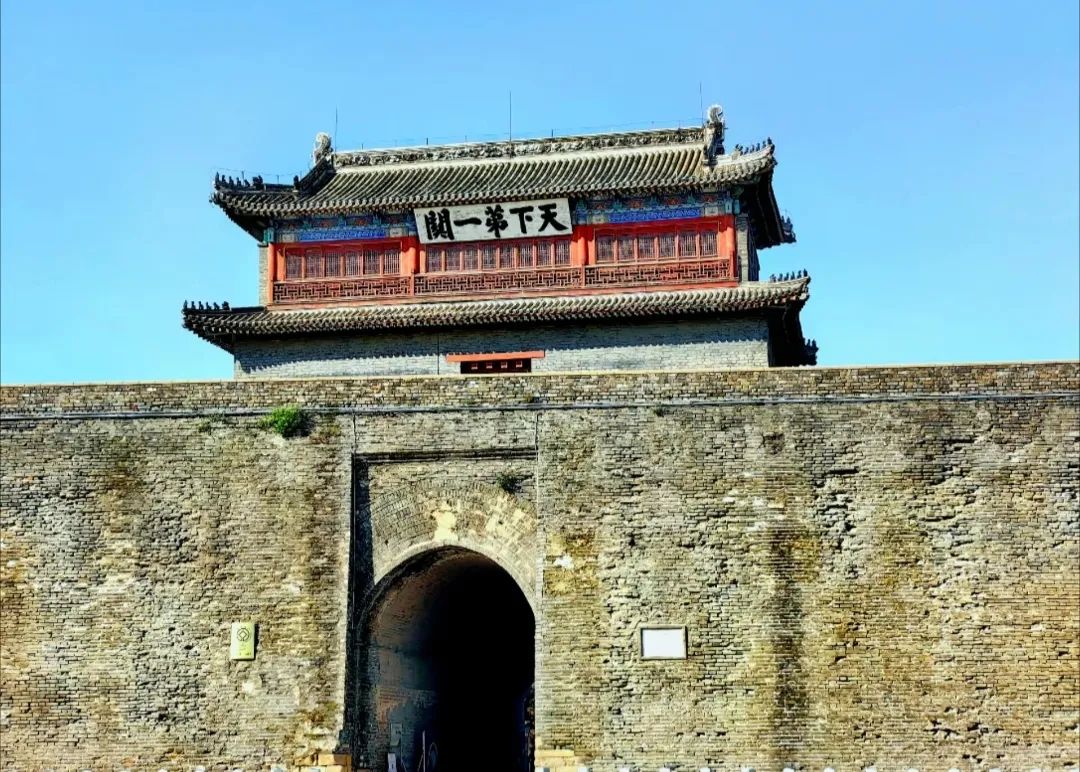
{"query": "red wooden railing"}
pixel 538 281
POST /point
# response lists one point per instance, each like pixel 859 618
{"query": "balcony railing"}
pixel 531 281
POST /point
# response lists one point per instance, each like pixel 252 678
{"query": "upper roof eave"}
pixel 653 162
pixel 328 189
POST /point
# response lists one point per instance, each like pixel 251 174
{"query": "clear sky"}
pixel 928 151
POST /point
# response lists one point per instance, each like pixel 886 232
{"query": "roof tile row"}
pixel 633 170
pixel 223 326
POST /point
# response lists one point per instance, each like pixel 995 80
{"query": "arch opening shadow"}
pixel 450 659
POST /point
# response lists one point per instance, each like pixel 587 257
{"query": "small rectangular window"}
pixel 468 258
pixel 490 253
pixel 313 264
pixel 497 366
pixel 371 262
pixel 688 244
pixel 562 252
pixel 708 243
pixel 543 253
pixel 391 261
pixel 667 245
pixel 352 263
pixel 605 249
pixel 626 249
pixel 646 248
pixel 332 259
pixel 526 254
pixel 453 258
pixel 293 269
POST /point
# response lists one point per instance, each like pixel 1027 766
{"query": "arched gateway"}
pixel 449 649
pixel 445 635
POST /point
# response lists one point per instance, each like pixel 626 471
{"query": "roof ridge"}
pixel 525 140
pixel 535 158
pixel 512 148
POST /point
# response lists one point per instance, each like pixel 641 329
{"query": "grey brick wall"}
pixel 682 345
pixel 264 275
pixel 745 249
pixel 874 566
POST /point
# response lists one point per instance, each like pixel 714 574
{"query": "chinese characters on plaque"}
pixel 504 220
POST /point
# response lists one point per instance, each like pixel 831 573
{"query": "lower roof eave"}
pixel 226 327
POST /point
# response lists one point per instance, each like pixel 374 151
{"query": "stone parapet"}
pixel 539 391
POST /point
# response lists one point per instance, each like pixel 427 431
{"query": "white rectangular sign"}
pixel 663 642
pixel 242 641
pixel 498 220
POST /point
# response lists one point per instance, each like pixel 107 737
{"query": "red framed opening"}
pixel 340 260
pixel 669 241
pixel 513 254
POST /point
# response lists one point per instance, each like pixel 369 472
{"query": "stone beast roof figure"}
pixel 323 148
pixel 714 134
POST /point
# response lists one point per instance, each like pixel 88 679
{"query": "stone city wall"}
pixel 874 566
pixel 686 344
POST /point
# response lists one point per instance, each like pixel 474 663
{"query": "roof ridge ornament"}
pixel 537 146
pixel 714 135
pixel 323 148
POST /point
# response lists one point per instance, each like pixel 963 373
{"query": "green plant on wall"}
pixel 508 482
pixel 288 421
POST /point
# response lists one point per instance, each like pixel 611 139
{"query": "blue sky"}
pixel 928 151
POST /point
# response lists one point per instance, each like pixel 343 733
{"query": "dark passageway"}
pixel 450 659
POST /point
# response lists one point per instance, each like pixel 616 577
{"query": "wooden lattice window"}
pixel 605 249
pixel 333 261
pixel 666 243
pixel 313 264
pixel 525 254
pixel 490 252
pixel 646 247
pixel 688 244
pixel 494 256
pixel 372 262
pixel 391 261
pixel 708 243
pixel 635 245
pixel 293 266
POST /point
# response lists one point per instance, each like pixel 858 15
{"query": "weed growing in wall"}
pixel 508 482
pixel 288 421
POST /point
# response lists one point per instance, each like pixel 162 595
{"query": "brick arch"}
pixel 410 521
pixel 432 545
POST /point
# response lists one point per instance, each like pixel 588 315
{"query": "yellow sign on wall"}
pixel 242 644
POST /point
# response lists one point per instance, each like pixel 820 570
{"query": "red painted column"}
pixel 271 270
pixel 588 245
pixel 410 256
pixel 577 247
pixel 727 239
pixel 727 228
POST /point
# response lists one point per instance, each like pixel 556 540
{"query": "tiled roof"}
pixel 222 327
pixel 626 163
pixel 394 186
